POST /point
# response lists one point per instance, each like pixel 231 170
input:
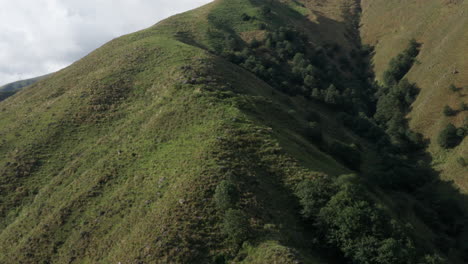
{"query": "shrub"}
pixel 332 95
pixel 453 88
pixel 434 259
pixel 245 17
pixel 448 137
pixel 226 195
pixel 236 226
pixel 448 111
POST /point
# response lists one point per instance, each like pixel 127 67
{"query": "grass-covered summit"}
pixel 239 132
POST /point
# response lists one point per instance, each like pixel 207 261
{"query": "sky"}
pixel 42 36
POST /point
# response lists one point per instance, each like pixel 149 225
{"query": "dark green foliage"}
pixel 453 88
pixel 282 60
pixel 400 65
pixel 226 195
pixel 332 95
pixel 348 220
pixel 392 106
pixel 314 194
pixel 365 127
pixel 395 99
pixel 245 17
pixel 448 111
pixel 434 259
pixel 236 226
pixel 450 137
pixel 362 230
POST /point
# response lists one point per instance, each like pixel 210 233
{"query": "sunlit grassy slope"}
pixel 441 27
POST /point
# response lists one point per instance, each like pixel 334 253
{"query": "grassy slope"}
pixel 115 158
pixel 441 27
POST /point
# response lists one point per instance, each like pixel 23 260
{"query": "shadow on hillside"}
pixel 439 203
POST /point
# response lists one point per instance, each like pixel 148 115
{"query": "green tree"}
pixel 226 195
pixel 314 194
pixel 236 226
pixel 448 137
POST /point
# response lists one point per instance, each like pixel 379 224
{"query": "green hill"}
pixel 12 88
pixel 440 26
pixel 239 132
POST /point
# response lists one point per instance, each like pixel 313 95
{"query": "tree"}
pixel 332 95
pixel 448 137
pixel 226 195
pixel 236 226
pixel 314 194
pixel 361 229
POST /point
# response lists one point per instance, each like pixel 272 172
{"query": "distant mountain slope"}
pixel 441 26
pixel 11 88
pixel 239 132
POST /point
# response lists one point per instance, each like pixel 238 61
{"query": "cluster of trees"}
pixel 282 60
pixel 401 64
pixel 395 97
pixel 346 218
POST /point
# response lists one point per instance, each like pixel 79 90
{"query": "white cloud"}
pixel 42 36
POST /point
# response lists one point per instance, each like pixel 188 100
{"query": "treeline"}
pixel 345 218
pixel 282 60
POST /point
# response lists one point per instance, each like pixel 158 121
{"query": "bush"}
pixel 236 226
pixel 453 88
pixel 448 111
pixel 448 137
pixel 434 259
pixel 226 195
pixel 245 17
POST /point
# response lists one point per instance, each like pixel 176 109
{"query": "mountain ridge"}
pixel 126 150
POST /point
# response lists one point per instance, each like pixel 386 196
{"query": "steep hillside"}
pixel 239 132
pixel 440 25
pixel 12 88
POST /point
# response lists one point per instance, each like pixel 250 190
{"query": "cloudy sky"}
pixel 43 36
